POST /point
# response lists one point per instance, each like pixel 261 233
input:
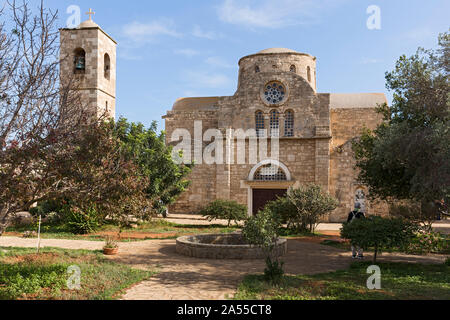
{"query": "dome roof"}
pixel 88 24
pixel 277 50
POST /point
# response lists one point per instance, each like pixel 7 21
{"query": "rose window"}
pixel 274 92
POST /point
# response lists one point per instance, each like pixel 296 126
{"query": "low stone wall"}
pixel 224 246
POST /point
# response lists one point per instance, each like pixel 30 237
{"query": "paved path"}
pixel 187 278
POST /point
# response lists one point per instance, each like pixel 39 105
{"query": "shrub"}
pixel 274 270
pixel 263 230
pixel 429 242
pixel 379 233
pixel 110 243
pixel 226 210
pixel 447 262
pixel 284 210
pixel 81 221
pixel 311 204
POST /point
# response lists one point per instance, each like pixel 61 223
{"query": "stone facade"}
pixel 316 150
pixel 97 80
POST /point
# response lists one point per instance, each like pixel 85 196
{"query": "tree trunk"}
pixel 4 213
pixel 375 255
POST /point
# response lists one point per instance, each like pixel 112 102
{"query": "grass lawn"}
pixel 157 229
pixel 398 281
pixel 26 275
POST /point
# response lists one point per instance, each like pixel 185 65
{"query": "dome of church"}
pixel 88 24
pixel 277 50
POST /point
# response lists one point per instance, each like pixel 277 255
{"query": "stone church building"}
pixel 276 97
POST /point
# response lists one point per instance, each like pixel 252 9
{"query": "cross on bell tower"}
pixel 90 14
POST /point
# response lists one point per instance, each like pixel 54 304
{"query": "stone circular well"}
pixel 224 246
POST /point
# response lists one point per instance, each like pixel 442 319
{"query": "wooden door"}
pixel 262 196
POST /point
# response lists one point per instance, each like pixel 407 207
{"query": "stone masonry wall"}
pixel 347 124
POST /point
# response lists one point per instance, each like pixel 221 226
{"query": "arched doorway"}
pixel 268 180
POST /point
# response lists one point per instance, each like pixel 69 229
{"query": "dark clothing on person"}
pixel 355 215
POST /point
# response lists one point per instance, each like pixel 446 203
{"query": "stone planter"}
pixel 224 246
pixel 110 251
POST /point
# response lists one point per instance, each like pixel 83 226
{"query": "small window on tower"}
pixel 293 69
pixel 80 61
pixel 257 70
pixel 309 74
pixel 107 65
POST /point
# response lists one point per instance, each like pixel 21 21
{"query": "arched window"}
pixel 289 124
pixel 274 123
pixel 259 123
pixel 270 172
pixel 257 70
pixel 79 61
pixel 107 66
pixel 293 69
pixel 309 74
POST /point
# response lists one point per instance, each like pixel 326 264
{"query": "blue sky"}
pixel 171 49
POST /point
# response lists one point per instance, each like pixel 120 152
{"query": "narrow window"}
pixel 289 124
pixel 309 74
pixel 107 65
pixel 257 70
pixel 79 61
pixel 274 123
pixel 259 119
pixel 293 69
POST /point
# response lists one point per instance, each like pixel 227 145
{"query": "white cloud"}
pixel 272 14
pixel 218 62
pixel 187 52
pixel 139 32
pixel 199 33
pixel 199 79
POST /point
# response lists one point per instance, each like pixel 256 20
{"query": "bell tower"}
pixel 88 54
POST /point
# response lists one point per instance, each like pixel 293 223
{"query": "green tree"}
pixel 284 210
pixel 226 210
pixel 264 230
pixel 379 233
pixel 166 179
pixel 311 204
pixel 406 157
